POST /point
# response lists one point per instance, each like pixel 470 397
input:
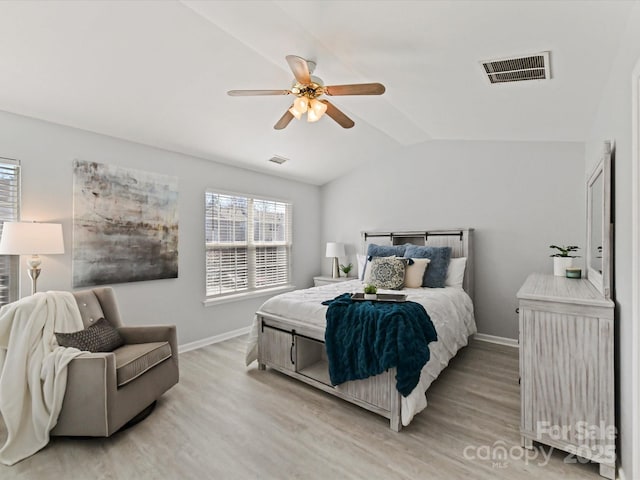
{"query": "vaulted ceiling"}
pixel 158 72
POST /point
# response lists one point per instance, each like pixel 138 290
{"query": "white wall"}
pixel 519 196
pixel 47 151
pixel 613 121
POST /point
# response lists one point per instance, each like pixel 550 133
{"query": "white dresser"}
pixel 566 368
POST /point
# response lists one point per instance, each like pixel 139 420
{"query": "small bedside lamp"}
pixel 24 238
pixel 335 250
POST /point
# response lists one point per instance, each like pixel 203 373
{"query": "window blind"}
pixel 9 212
pixel 248 243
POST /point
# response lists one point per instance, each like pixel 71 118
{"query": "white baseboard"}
pixel 509 342
pixel 482 337
pixel 211 340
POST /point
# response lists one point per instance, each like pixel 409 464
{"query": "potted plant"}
pixel 370 292
pixel 346 269
pixel 563 258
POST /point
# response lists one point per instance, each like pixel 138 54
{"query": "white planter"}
pixel 370 296
pixel 560 265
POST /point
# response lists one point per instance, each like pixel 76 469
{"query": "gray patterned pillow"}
pixel 99 337
pixel 387 272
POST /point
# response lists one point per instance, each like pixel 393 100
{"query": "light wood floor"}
pixel 224 421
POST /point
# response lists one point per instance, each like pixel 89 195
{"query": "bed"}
pixel 288 331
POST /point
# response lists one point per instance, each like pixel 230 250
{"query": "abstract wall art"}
pixel 125 225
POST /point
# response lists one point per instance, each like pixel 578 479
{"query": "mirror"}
pixel 599 229
pixel 595 244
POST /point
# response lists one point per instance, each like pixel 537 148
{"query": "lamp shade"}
pixel 335 249
pixel 30 238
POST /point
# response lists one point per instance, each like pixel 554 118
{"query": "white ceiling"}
pixel 158 72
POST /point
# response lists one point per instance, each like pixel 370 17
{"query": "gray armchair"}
pixel 106 390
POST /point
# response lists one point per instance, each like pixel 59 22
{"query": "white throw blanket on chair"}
pixel 33 369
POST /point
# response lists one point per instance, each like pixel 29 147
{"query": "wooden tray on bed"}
pixel 382 297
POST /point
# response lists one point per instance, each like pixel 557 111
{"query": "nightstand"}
pixel 317 281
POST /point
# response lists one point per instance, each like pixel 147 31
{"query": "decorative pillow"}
pixel 414 272
pixel 455 273
pixel 99 337
pixel 366 275
pixel 374 250
pixel 435 275
pixel 387 272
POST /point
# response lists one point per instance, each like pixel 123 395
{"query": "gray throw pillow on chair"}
pixel 99 337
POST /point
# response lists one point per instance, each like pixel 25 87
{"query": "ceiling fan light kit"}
pixel 299 107
pixel 312 107
pixel 313 115
pixel 307 89
pixel 317 109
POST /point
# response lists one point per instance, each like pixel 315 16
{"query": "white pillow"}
pixel 414 273
pixel 455 273
pixel 362 263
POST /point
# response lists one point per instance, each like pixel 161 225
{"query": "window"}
pixel 248 243
pixel 9 212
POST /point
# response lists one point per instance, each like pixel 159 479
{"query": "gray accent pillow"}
pixel 374 250
pixel 387 272
pixel 436 274
pixel 99 337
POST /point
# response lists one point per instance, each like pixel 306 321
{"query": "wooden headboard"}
pixel 459 239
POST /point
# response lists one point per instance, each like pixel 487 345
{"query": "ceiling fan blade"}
pixel 284 120
pixel 355 89
pixel 299 68
pixel 246 93
pixel 338 115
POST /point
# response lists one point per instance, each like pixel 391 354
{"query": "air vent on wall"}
pixel 518 69
pixel 278 159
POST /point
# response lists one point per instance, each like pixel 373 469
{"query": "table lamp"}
pixel 335 250
pixel 31 238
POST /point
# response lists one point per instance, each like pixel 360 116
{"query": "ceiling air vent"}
pixel 518 69
pixel 278 159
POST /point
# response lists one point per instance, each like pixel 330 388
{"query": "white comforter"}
pixel 33 369
pixel 450 309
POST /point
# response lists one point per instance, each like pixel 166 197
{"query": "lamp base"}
pixel 336 268
pixel 34 271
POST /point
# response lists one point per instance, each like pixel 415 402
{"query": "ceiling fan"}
pixel 307 89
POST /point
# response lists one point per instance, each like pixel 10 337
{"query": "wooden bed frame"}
pixel 297 349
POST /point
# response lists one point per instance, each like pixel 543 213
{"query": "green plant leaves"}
pixel 564 251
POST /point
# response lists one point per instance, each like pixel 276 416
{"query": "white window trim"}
pixel 237 297
pixel 218 299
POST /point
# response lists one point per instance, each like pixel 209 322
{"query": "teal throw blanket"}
pixel 363 339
